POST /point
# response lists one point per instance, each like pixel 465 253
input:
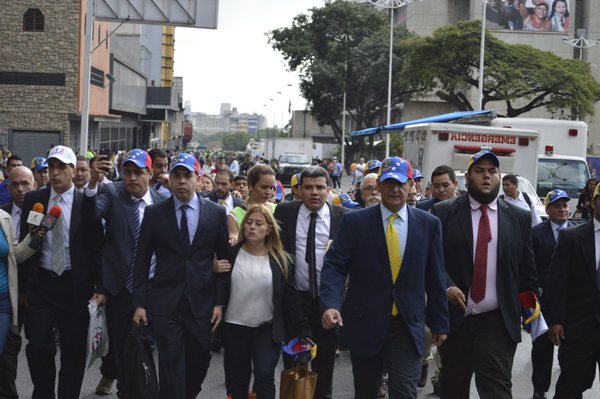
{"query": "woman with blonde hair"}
pixel 261 290
pixel 261 184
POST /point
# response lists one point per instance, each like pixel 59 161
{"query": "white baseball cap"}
pixel 63 154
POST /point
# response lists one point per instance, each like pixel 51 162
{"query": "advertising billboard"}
pixel 528 15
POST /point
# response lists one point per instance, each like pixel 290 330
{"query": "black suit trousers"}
pixel 119 312
pixel 183 343
pixel 542 357
pixel 55 306
pixel 482 346
pixel 578 356
pixel 326 341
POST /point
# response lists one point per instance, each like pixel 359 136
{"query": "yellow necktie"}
pixel 222 202
pixel 393 246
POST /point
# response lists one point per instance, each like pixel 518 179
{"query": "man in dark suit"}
pixel 307 241
pixel 184 298
pixel 222 192
pixel 488 259
pixel 543 241
pixel 122 206
pixel 382 320
pixel 571 306
pixel 443 187
pixel 62 277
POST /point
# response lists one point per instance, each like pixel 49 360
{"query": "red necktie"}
pixel 484 236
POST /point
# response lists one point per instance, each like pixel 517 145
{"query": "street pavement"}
pixel 213 387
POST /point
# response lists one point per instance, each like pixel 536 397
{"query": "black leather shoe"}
pixel 539 395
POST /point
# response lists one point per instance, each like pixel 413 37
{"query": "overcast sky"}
pixel 235 64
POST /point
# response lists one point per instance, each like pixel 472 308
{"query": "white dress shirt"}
pixel 227 203
pixel 66 206
pixel 321 239
pixel 15 215
pixel 490 301
pixel 521 203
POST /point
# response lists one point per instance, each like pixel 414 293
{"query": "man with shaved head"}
pixel 20 181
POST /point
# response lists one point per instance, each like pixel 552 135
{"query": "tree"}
pixel 341 34
pixel 521 76
pixel 235 141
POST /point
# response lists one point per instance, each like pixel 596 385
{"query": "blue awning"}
pixel 453 116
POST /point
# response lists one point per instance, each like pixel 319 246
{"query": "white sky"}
pixel 235 64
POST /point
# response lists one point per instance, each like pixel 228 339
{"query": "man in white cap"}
pixel 62 278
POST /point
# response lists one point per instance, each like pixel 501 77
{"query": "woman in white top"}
pixel 261 289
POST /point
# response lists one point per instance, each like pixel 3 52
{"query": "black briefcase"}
pixel 137 374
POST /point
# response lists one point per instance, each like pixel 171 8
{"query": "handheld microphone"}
pixel 36 214
pixel 46 223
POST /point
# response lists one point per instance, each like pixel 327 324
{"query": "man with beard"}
pixel 368 191
pixel 489 261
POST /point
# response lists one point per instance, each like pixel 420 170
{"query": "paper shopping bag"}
pixel 297 383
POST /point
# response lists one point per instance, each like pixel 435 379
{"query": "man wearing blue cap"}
pixel 184 300
pixel 39 167
pixel 488 259
pixel 122 206
pixel 382 320
pixel 571 306
pixel 543 241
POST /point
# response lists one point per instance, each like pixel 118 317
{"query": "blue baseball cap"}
pixel 38 164
pixel 417 174
pixel 279 191
pixel 373 165
pixel 483 154
pixel 344 201
pixel 555 195
pixel 187 161
pixel 395 168
pixel 139 158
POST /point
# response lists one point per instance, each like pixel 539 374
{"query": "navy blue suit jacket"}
pixel 543 244
pixel 213 197
pixel 180 272
pixel 570 292
pixel 113 204
pixel 359 251
pixel 427 204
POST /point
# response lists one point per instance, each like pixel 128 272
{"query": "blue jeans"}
pixel 5 318
pixel 248 348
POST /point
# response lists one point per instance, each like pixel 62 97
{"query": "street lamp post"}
pixel 580 42
pixel 391 5
pixel 482 54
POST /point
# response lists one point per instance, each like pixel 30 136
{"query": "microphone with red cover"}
pixel 46 223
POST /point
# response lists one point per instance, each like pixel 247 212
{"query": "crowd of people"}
pixel 194 249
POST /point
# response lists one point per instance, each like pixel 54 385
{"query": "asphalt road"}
pixel 214 388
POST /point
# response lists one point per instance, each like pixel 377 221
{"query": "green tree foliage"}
pixel 522 77
pixel 235 141
pixel 320 44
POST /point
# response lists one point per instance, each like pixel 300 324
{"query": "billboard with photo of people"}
pixel 528 15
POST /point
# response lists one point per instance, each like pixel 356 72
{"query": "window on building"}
pixel 97 77
pixel 33 20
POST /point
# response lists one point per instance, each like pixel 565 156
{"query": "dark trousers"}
pixel 578 356
pixel 183 344
pixel 335 181
pixel 248 348
pixel 326 342
pixel 8 366
pixel 119 313
pixel 542 356
pixel 482 346
pixel 54 307
pixel 402 363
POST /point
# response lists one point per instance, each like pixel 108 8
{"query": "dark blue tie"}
pixel 136 237
pixel 183 227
